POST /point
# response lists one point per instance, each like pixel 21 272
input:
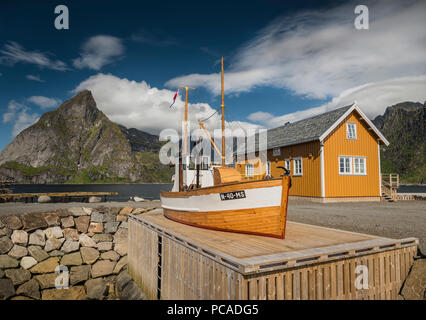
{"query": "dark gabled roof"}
pixel 304 130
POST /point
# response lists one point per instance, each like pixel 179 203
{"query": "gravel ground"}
pixel 396 220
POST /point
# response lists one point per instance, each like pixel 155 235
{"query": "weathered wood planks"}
pixel 204 264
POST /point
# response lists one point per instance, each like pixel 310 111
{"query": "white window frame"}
pixel 359 173
pixel 287 164
pixel 203 163
pixel 276 152
pixel 295 171
pixel 249 172
pixel 268 168
pixel 344 165
pixel 348 124
pixel 352 165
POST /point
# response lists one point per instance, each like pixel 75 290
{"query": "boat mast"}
pixel 186 117
pixel 223 121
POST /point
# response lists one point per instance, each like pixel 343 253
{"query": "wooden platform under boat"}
pixel 311 263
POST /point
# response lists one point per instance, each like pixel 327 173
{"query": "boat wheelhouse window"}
pixel 351 130
pixel 205 163
pixel 276 152
pixel 297 164
pixel 345 165
pixel 249 170
pixel 268 168
pixel 191 163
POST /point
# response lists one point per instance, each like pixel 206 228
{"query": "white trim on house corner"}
pixel 363 116
pixel 380 169
pixel 322 170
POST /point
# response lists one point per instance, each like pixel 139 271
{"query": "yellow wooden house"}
pixel 334 156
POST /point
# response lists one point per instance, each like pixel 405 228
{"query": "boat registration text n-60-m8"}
pixel 232 195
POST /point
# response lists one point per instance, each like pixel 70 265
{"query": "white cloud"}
pixel 372 98
pixel 319 54
pixel 34 78
pixel 260 116
pixel 13 53
pixel 99 51
pixel 20 116
pixel 45 102
pixel 138 105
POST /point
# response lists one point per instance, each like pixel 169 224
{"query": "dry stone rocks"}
pixel 96 289
pixel 71 234
pixel 53 244
pixel 46 266
pixel 56 253
pixel 126 211
pixel 82 223
pixel 95 227
pixel 6 289
pixel 52 219
pixel 47 280
pixel 18 276
pixel 33 221
pixel 12 222
pixel 5 245
pixel 70 246
pixel 7 262
pixel 120 264
pixel 18 252
pixel 102 237
pixel 102 268
pixel 20 237
pixel 72 293
pixel 77 212
pixel 38 253
pixel 54 232
pixel 33 246
pixel 111 227
pixel 86 241
pixel 89 255
pixel 28 262
pixel 30 289
pixel 37 238
pixel 97 217
pixel 104 246
pixel 72 259
pixel 79 274
pixel 110 255
pixel 67 222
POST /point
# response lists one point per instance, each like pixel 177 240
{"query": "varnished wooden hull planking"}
pixel 263 212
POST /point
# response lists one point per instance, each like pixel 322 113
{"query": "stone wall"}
pixel 82 246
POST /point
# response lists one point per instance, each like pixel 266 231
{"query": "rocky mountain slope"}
pixel 403 125
pixel 77 143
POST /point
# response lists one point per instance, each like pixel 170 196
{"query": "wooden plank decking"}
pixel 170 260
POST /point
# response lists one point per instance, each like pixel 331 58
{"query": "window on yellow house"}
pixel 287 164
pixel 351 130
pixel 249 170
pixel 298 167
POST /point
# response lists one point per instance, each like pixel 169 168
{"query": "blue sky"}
pixel 284 60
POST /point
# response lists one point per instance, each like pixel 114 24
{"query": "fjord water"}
pixel 146 191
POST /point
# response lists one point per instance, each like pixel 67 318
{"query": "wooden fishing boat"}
pixel 222 199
